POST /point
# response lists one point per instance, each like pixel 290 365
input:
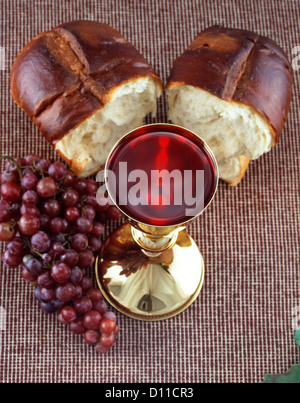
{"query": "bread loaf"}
pixel 233 88
pixel 84 86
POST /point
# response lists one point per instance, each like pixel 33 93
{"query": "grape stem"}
pixel 67 243
pixel 20 167
pixel 14 162
pixel 36 252
pixel 13 224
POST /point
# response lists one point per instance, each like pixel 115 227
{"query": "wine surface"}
pixel 165 175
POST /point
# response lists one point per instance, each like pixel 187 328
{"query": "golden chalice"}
pixel 161 177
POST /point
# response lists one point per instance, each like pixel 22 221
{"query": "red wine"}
pixel 171 189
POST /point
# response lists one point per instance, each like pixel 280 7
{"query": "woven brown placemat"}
pixel 241 326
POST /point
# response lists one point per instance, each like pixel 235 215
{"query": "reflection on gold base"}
pixel 149 288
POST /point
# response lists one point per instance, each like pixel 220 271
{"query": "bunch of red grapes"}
pixel 53 226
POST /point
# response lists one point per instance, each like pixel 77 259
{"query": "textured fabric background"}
pixel 241 325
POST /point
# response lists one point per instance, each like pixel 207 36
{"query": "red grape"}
pixel 100 306
pixel 58 238
pixel 72 213
pixel 60 272
pixel 94 294
pixel 92 186
pixel 70 257
pixel 69 314
pixel 83 305
pixel 30 197
pixel 91 201
pixel 11 191
pixel 95 244
pixel 7 232
pixel 47 307
pixel 86 259
pixel 15 246
pixel 29 224
pixel 45 280
pixel 61 319
pixel 110 315
pixel 34 266
pixel 98 229
pixel 80 185
pixel 27 276
pixel 12 166
pixel 40 241
pixel 77 327
pixel 46 187
pixel 8 176
pixel 37 294
pixel 32 159
pixel 70 197
pixel 56 225
pixel 78 292
pixel 79 242
pixel 29 181
pixel 86 283
pixel 107 326
pixel 91 337
pixel 89 212
pixel 58 304
pixel 26 171
pixel 57 171
pixel 47 257
pixel 66 226
pixel 91 320
pixel 43 165
pixel 65 292
pixel 58 249
pixel 100 348
pixel 48 294
pixel 114 213
pixel 51 208
pixel 4 211
pixel 107 340
pixel 69 179
pixel 84 225
pixel 76 276
pixel 30 209
pixel 11 260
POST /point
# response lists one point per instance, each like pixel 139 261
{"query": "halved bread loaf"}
pixel 84 86
pixel 233 88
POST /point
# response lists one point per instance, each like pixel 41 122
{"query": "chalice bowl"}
pixel 161 177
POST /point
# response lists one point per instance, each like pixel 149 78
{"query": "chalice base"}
pixel 147 287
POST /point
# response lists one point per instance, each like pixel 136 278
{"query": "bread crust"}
pixel 244 163
pixel 241 66
pixel 64 76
